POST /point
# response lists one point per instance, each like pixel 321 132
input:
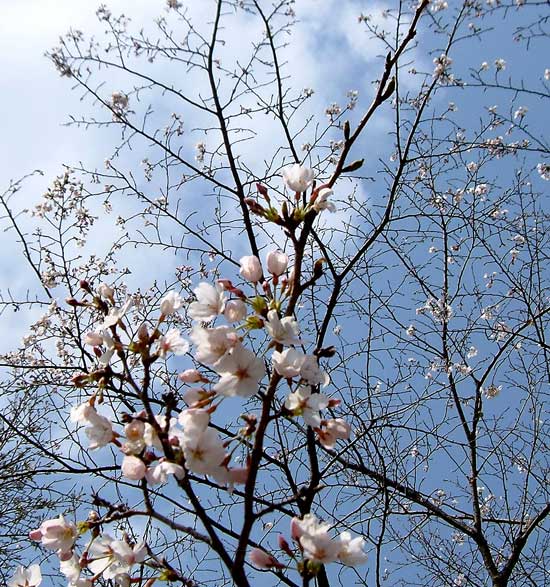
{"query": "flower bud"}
pixel 251 270
pixel 235 310
pixel 262 560
pixel 277 262
pixel 190 376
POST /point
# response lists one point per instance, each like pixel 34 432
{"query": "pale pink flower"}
pixel 303 403
pixel 133 468
pixel 311 373
pixel 332 431
pixel 277 262
pixel 351 551
pixel 288 363
pixel 114 557
pixel 99 429
pixel 192 396
pixel 251 270
pixel 297 178
pixel 213 343
pixel 284 331
pixel 58 535
pixel 190 376
pixel 172 342
pixel 71 569
pixel 170 303
pixel 158 474
pixel 322 201
pixel 235 311
pixel 134 432
pixel 116 314
pixel 262 560
pixel 26 577
pixel 314 539
pixel 241 371
pixel 210 302
pixel 203 453
pixel 194 422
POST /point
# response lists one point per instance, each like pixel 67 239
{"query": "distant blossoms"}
pixel 318 546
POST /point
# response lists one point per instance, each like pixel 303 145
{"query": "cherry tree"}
pixel 284 345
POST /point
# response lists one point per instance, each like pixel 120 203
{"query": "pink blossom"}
pixel 283 330
pixel 322 201
pixel 241 371
pixel 251 270
pixel 332 431
pixel 93 338
pixel 306 404
pixel 172 342
pixel 262 560
pixel 210 302
pixel 277 262
pixel 351 551
pixel 190 376
pixel 297 178
pixel 170 303
pixel 235 311
pixel 288 363
pixel 26 577
pixel 133 468
pixel 58 535
pixel 213 343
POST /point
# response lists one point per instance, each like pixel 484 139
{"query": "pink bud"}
pixel 284 545
pixel 251 270
pixel 235 310
pixel 239 475
pixel 277 262
pixel 190 376
pixel 35 535
pixel 133 468
pixel 262 560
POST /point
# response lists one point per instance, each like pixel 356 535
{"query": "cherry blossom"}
pixel 262 560
pixel 171 303
pixel 288 363
pixel 111 557
pixel 58 535
pixel 99 429
pixel 116 314
pixel 332 431
pixel 283 330
pixel 277 262
pixel 240 371
pixel 26 577
pixel 172 342
pixel 204 453
pixel 235 311
pixel 351 551
pixel 322 201
pixel 133 468
pixel 297 178
pixel 303 403
pixel 251 270
pixel 210 302
pixel 213 343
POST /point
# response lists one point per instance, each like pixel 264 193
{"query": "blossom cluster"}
pixel 184 441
